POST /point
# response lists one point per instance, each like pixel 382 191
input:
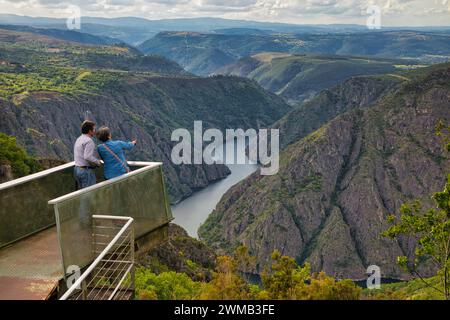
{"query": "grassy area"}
pixel 33 66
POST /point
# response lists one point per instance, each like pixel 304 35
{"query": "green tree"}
pixel 431 228
pixel 165 286
pixel 285 278
pixel 288 281
pixel 226 283
pixel 323 287
pixel 245 263
pixel 15 156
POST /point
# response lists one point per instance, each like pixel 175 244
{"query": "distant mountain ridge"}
pixel 134 30
pixel 68 35
pixel 424 47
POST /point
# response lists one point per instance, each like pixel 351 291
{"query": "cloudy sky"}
pixel 394 12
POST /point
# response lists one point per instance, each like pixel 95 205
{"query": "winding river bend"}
pixel 193 211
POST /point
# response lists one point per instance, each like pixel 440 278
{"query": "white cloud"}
pixel 395 12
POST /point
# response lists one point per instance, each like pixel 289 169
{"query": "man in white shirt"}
pixel 85 158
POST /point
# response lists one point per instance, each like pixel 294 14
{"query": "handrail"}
pixel 83 277
pixel 146 166
pixel 48 172
pixel 35 176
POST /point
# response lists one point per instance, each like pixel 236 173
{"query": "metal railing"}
pixel 24 208
pixel 111 275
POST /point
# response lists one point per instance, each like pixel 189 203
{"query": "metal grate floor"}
pixel 31 268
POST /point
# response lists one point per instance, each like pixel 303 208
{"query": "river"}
pixel 193 211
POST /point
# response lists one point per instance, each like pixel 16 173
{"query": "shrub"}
pixel 288 281
pixel 15 156
pixel 226 283
pixel 165 286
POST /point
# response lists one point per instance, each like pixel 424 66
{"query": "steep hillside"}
pixel 298 77
pixel 148 109
pixel 187 49
pixel 43 106
pixel 354 93
pixel 425 47
pixel 335 187
pixel 204 62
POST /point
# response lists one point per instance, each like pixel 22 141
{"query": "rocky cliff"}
pixel 181 253
pixel 354 93
pixel 335 188
pixel 144 108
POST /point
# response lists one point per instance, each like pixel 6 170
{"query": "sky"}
pixel 393 12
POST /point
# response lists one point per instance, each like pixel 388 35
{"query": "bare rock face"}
pixel 5 173
pixel 334 251
pixel 354 93
pixel 329 202
pixel 48 163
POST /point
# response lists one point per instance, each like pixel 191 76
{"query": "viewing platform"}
pixel 53 237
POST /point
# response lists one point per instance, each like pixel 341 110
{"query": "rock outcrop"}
pixel 181 253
